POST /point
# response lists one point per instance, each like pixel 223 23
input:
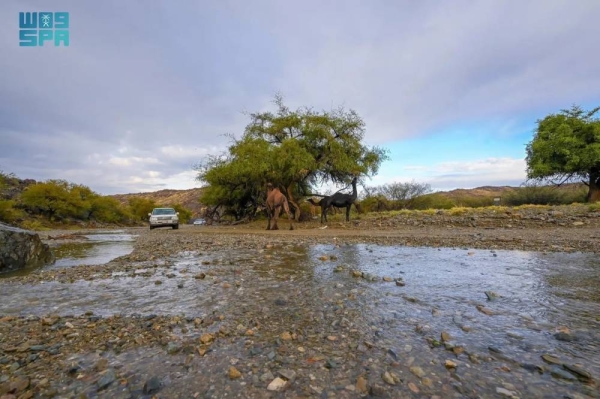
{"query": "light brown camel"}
pixel 275 202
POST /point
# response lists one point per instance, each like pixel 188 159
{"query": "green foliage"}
pixel 533 193
pixel 8 212
pixel 404 194
pixel 34 224
pixel 433 201
pixel 57 199
pixel 184 214
pixel 141 207
pixel 108 210
pixel 566 147
pixel 376 203
pixel 294 150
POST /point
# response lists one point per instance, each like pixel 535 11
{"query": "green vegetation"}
pixel 56 203
pixel 294 150
pixel 533 193
pixel 566 147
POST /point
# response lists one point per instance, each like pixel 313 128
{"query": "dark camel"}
pixel 275 202
pixel 339 200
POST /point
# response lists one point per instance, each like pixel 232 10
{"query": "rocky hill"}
pixel 187 198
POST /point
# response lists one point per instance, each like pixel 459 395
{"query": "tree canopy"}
pixel 294 150
pixel 566 147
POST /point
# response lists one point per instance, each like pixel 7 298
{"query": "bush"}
pixel 534 194
pixel 595 207
pixel 474 202
pixel 433 201
pixel 8 212
pixel 376 203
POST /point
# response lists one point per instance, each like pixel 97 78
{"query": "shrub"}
pixel 433 201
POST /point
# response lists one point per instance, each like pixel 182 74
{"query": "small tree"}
pixel 566 148
pixel 295 151
pixel 405 193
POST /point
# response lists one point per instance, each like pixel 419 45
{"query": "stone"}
pixel 277 384
pixel 106 380
pixel 152 386
pixel 234 373
pixel 361 385
pixel 22 249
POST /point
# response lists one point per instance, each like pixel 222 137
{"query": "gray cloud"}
pixel 136 79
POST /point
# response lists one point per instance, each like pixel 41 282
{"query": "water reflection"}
pixel 303 286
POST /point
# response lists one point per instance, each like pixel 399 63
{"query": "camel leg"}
pixel 275 217
pixel 269 218
pixel 286 207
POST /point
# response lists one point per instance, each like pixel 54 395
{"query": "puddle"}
pixel 292 289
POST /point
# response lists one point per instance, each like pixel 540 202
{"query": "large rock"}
pixel 21 248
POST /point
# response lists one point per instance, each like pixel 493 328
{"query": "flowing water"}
pixel 536 304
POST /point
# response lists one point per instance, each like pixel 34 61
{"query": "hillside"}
pixel 187 198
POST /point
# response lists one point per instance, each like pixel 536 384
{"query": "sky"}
pixel 453 89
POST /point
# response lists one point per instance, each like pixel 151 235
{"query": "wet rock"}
pixel 101 365
pixel 563 336
pixel 449 364
pixel 277 384
pixel 152 386
pixel 491 295
pixel 578 372
pixel 108 378
pixel 418 371
pixel 551 359
pixel 289 375
pixel 173 347
pixel 413 387
pixel 268 376
pixel 207 338
pixel 361 385
pixel 445 337
pixel 506 393
pixel 392 353
pixel 234 373
pixel 559 373
pixel 378 391
pixel 22 248
pixel 485 310
pixel 390 378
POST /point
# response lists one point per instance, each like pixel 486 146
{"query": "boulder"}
pixel 21 248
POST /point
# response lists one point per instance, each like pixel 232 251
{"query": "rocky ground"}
pixel 256 347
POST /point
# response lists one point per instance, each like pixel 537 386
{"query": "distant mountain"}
pixel 189 199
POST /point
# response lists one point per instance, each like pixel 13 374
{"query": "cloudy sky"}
pixel 452 88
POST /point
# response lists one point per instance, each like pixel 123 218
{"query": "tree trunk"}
pixel 594 188
pixel 293 203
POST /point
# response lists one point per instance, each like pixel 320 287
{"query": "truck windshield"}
pixel 163 212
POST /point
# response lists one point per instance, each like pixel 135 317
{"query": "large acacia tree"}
pixel 294 150
pixel 566 148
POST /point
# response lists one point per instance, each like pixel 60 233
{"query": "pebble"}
pixel 234 373
pixel 277 384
